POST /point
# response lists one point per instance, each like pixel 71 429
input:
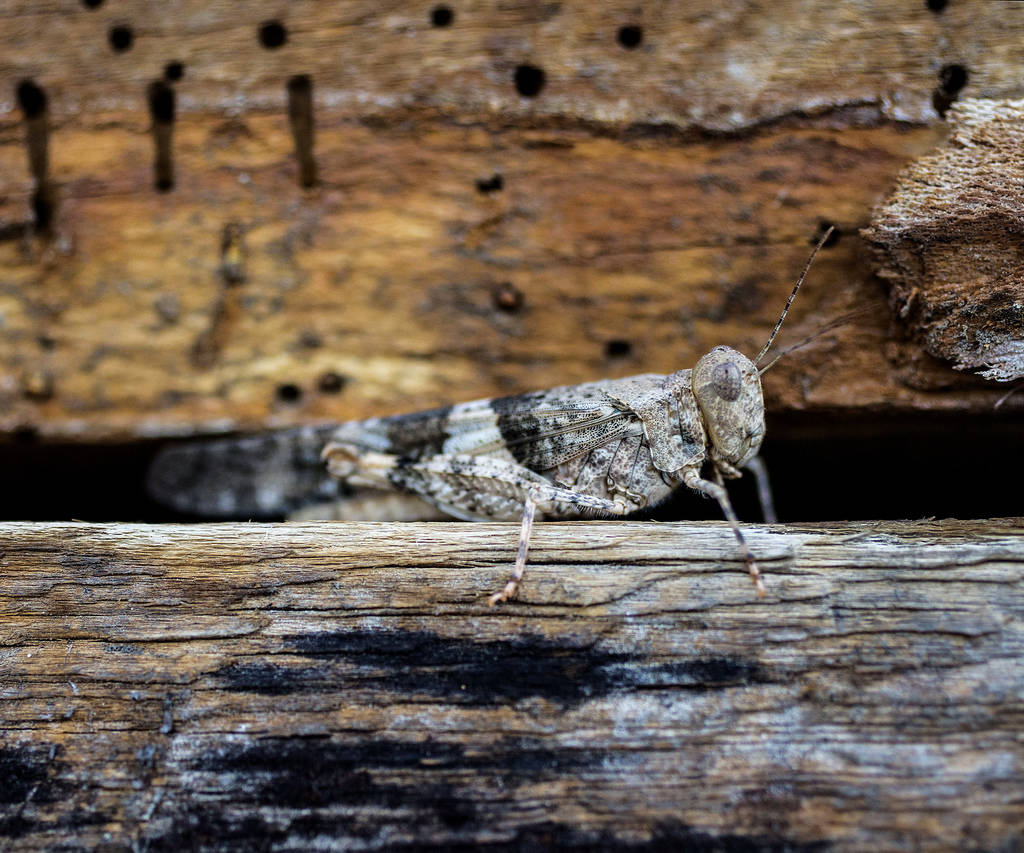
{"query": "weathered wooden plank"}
pixel 344 685
pixel 622 238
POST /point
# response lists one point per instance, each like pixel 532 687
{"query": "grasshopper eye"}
pixel 726 381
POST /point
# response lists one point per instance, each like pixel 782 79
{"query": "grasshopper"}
pixel 610 448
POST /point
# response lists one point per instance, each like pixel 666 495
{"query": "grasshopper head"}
pixel 728 391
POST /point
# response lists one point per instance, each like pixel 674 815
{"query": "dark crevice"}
pixel 822 470
pixel 952 78
pixel 300 117
pixel 161 111
pixel 493 184
pixel 34 106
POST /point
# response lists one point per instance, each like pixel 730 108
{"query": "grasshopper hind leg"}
pixel 553 499
pixel 471 487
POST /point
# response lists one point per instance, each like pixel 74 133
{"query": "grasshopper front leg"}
pixel 717 491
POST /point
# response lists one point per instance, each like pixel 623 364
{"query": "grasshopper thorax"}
pixel 728 391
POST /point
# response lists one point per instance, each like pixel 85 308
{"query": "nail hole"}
pixel 31 99
pixel 952 78
pixel 272 34
pixel 46 342
pixel 300 116
pixel 630 36
pixel 92 4
pixel 289 393
pixel 529 80
pixel 174 71
pixel 331 383
pixel 936 6
pixel 161 111
pixel 490 185
pixel 121 38
pixel 833 238
pixel 617 349
pixel 441 16
pixel 508 298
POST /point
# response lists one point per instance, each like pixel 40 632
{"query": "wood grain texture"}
pixel 948 242
pixel 654 202
pixel 344 685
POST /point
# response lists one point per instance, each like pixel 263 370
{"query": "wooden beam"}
pixel 342 685
pixel 195 242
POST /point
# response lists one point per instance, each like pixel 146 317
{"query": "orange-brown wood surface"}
pixel 653 201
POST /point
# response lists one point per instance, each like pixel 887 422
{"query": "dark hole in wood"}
pixel 833 238
pixel 310 340
pixel 31 99
pixel 936 5
pixel 33 102
pixel 490 185
pixel 289 393
pixel 46 342
pixel 43 207
pixel 121 38
pixel 92 4
pixel 618 349
pixel 272 34
pixel 441 16
pixel 630 36
pixel 952 78
pixel 529 80
pixel 174 71
pixel 161 102
pixel 508 298
pixel 161 110
pixel 331 383
pixel 300 117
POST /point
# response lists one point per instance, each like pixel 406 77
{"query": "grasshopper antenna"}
pixel 828 327
pixel 1007 396
pixel 792 296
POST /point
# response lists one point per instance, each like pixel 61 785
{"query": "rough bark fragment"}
pixel 950 242
pixel 341 685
